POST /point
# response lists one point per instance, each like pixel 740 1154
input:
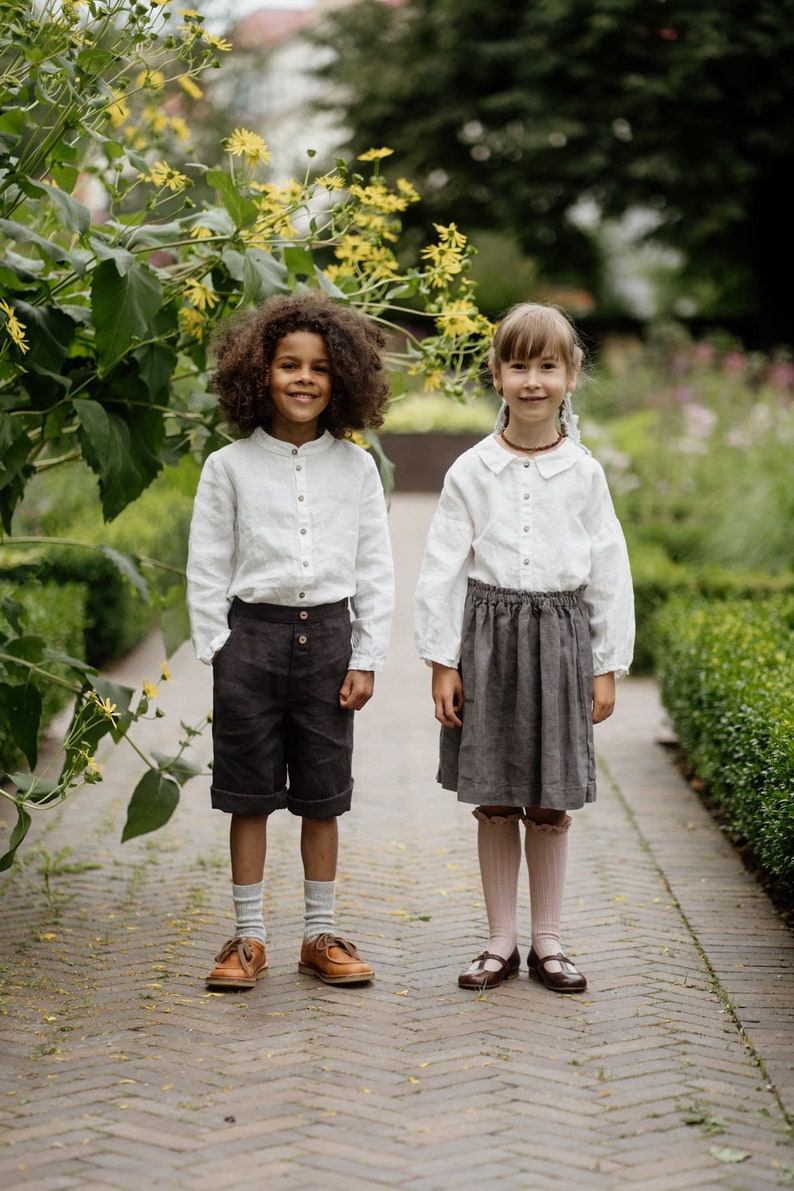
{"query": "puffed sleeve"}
pixel 373 601
pixel 443 576
pixel 211 553
pixel 609 595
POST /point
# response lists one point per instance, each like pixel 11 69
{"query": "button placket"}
pixel 304 521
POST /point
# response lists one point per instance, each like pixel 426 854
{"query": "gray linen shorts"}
pixel 280 738
pixel 527 671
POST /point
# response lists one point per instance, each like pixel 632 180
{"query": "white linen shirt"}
pixel 278 524
pixel 544 523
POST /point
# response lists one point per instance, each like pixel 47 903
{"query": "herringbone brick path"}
pixel 119 1070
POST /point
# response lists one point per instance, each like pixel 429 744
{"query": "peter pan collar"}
pixel 565 456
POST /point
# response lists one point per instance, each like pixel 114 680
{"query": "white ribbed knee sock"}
pixel 250 922
pixel 319 898
pixel 546 848
pixel 499 850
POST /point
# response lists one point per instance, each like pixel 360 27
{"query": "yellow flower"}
pixel 450 235
pixel 105 706
pixel 249 145
pixel 200 295
pixel 456 318
pixel 14 328
pixel 150 690
pixel 217 43
pixel 161 174
pixel 189 87
pixel 197 232
pixel 331 182
pixel 118 111
pixel 165 673
pixel 154 79
pixel 359 441
pixel 193 324
pixel 405 187
pixel 179 128
pixel 375 154
pixel 433 381
pixel 91 768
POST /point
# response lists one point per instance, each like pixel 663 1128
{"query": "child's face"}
pixel 534 390
pixel 300 386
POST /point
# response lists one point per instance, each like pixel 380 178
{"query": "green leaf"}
pixel 28 647
pixel 23 715
pixel 51 333
pixel 25 235
pixel 14 448
pixel 21 828
pixel 153 802
pixel 156 364
pixel 385 465
pixel 117 450
pixel 175 622
pixel 122 259
pixel 123 308
pixel 38 790
pixel 299 261
pixel 74 216
pixel 127 564
pixel 262 276
pixel 242 210
pixel 178 767
pixel 326 285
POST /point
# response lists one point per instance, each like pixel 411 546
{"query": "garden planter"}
pixel 421 460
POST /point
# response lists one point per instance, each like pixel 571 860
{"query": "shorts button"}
pixel 304 615
pixel 303 640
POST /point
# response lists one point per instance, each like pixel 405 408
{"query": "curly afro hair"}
pixel 245 346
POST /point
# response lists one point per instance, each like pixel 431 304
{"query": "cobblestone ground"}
pixel 120 1070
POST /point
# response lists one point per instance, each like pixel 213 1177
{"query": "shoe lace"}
pixel 244 950
pixel 323 942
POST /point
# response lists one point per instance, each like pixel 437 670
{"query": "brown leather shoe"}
pixel 569 980
pixel 238 964
pixel 334 959
pixel 481 978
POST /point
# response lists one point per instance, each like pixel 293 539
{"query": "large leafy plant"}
pixel 115 269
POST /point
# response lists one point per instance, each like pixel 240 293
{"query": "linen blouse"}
pixel 544 523
pixel 279 524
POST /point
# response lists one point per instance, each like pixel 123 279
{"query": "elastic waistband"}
pixel 287 613
pixel 487 593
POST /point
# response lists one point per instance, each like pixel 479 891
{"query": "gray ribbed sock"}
pixel 499 851
pixel 319 898
pixel 250 922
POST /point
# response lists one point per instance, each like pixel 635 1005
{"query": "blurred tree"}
pixel 513 117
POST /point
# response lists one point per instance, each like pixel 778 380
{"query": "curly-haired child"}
pixel 290 595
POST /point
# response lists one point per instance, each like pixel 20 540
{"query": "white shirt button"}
pixel 303 640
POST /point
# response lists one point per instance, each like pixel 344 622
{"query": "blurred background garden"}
pixel 431 162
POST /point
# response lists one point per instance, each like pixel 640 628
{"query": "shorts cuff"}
pixel 320 808
pixel 247 804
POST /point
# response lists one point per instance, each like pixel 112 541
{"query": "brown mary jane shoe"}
pixel 569 980
pixel 480 978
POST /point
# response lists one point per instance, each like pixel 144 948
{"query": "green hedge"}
pixel 657 579
pixel 725 675
pixel 56 612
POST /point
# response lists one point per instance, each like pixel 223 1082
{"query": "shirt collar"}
pixel 277 447
pixel 564 456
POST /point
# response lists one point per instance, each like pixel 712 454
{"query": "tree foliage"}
pixel 107 309
pixel 506 115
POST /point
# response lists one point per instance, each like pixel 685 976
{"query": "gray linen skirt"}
pixel 527 671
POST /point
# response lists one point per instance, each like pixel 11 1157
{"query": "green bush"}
pixel 724 670
pixel 154 527
pixel 657 579
pixel 56 612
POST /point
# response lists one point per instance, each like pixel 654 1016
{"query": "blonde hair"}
pixel 535 329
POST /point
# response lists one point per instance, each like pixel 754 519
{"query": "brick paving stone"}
pixel 121 1070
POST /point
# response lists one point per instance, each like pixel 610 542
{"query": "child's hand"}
pixel 603 697
pixel 356 690
pixel 447 695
